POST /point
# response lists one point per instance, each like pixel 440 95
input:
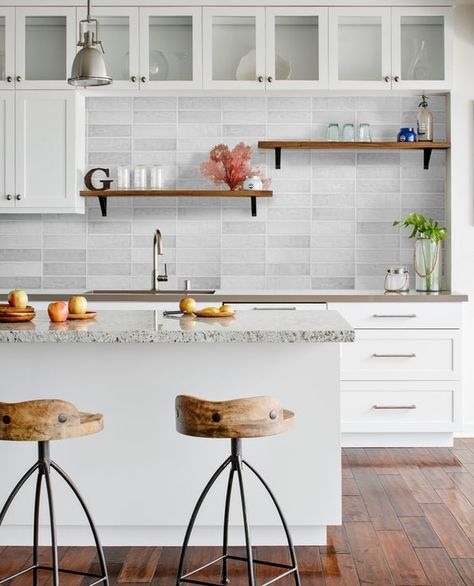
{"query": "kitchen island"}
pixel 140 476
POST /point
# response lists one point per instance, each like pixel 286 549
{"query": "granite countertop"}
pixel 151 326
pixel 259 296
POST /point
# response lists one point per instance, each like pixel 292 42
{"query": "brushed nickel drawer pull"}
pixel 394 315
pixel 412 355
pixel 394 407
pixel 274 308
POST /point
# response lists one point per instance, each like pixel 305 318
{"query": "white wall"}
pixel 462 189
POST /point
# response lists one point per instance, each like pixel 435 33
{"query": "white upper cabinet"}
pixel 390 48
pixel 45 45
pixel 296 48
pixel 7 48
pixel 170 48
pixel 119 33
pixel 234 48
pixel 421 48
pixel 359 48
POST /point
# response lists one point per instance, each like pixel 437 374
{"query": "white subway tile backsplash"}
pixel 328 225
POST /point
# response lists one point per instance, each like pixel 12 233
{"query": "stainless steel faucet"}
pixel 157 250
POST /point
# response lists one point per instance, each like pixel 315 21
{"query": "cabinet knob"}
pixel 260 78
pixel 270 79
pixel 396 78
pixel 386 79
pixel 18 78
pixel 18 196
pixel 9 197
pixel 9 78
pixel 133 79
pixel 143 79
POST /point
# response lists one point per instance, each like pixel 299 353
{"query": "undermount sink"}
pixel 150 292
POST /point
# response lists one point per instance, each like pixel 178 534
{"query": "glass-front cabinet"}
pixel 7 48
pixel 45 45
pixel 296 48
pixel 118 31
pixel 170 48
pixel 421 48
pixel 234 48
pixel 359 48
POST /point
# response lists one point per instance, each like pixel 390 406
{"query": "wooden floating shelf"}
pixel 103 195
pixel 426 147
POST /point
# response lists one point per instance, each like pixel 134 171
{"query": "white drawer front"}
pixel 430 315
pixel 401 355
pixel 282 306
pixel 400 410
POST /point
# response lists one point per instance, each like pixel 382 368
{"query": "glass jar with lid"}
pixel 397 280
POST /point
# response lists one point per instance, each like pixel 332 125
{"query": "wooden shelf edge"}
pixel 321 144
pixel 175 193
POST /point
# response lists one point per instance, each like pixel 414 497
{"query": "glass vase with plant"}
pixel 427 253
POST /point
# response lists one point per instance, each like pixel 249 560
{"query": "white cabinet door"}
pixel 296 48
pixel 170 48
pixel 45 47
pixel 119 33
pixel 49 151
pixel 359 48
pixel 421 48
pixel 234 48
pixel 7 149
pixel 7 48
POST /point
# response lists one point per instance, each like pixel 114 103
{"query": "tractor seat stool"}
pixel 42 421
pixel 236 419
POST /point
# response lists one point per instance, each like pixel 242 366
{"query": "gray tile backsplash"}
pixel 328 225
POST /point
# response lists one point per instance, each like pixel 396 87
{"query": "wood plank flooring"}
pixel 408 520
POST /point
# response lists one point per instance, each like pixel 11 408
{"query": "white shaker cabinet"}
pixel 401 378
pixel 7 48
pixel 48 142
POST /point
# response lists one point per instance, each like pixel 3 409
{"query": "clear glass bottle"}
pixel 427 264
pixel 424 121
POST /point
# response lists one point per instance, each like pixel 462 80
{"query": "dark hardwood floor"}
pixel 408 521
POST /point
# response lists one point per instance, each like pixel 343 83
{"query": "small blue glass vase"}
pixel 406 135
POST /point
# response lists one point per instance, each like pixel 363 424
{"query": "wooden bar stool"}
pixel 42 421
pixel 236 419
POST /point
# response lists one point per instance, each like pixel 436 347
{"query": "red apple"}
pixel 58 311
pixel 18 298
pixel 77 304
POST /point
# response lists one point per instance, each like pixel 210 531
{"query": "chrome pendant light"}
pixel 89 68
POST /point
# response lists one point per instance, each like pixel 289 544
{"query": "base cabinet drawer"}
pixel 401 355
pixel 406 315
pixel 402 408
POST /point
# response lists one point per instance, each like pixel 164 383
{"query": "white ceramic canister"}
pixel 253 183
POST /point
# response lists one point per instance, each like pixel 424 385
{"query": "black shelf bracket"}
pixel 426 158
pixel 253 205
pixel 277 157
pixel 103 205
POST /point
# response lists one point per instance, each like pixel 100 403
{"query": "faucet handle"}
pixel 163 278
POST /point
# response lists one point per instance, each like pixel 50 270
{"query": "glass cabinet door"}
pixel 118 31
pixel 170 48
pixel 359 48
pixel 234 48
pixel 45 47
pixel 421 51
pixel 296 48
pixel 7 48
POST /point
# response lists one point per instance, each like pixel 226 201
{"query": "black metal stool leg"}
pixel 195 512
pixel 283 522
pixel 100 551
pixel 225 540
pixel 16 490
pixel 237 464
pixel 39 480
pixel 45 465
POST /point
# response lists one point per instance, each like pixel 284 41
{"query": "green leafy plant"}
pixel 422 227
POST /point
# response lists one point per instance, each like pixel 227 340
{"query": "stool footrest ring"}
pixel 61 570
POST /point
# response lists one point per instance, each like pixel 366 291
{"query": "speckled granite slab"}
pixel 151 326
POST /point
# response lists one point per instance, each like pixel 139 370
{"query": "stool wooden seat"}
pixel 237 418
pixel 41 421
pixel 45 420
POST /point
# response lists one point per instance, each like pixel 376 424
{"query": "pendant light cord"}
pixel 88 10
